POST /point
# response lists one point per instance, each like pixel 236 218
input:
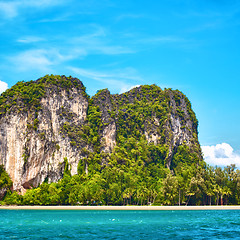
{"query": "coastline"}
pixel 156 208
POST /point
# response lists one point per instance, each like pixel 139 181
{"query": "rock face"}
pixel 31 153
pixel 51 121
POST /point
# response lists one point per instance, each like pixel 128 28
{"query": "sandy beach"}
pixel 120 208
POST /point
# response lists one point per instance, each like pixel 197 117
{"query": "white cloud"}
pixel 59 18
pixel 97 42
pixel 30 39
pixel 32 59
pixel 39 59
pixel 11 9
pixel 123 90
pixel 119 80
pixel 42 3
pixel 76 48
pixel 220 155
pixel 3 86
pixel 162 39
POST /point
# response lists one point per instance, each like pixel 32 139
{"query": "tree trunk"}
pixel 179 197
pixel 188 200
pixel 154 199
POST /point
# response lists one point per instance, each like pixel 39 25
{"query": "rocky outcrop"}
pixel 62 124
pixel 103 99
pixel 182 125
pixel 31 153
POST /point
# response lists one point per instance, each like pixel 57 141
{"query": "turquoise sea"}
pixel 103 224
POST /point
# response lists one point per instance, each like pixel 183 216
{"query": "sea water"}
pixel 103 224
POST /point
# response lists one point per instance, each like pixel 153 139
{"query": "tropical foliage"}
pixel 139 169
pixel 136 184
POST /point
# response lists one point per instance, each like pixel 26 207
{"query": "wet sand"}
pixel 120 208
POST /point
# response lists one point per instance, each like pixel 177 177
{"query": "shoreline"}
pixel 156 208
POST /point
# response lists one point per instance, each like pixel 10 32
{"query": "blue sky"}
pixel 188 45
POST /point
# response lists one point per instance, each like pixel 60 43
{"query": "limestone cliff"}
pixel 51 121
pixel 32 147
pixel 164 117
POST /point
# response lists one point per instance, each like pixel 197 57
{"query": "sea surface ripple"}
pixel 114 224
